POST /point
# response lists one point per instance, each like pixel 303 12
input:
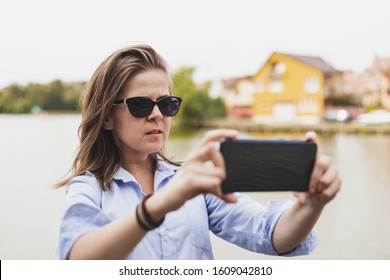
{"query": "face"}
pixel 136 138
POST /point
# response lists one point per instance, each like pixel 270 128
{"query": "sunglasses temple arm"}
pixel 117 102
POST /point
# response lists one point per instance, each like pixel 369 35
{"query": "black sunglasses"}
pixel 141 107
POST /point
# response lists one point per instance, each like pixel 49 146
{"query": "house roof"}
pixel 314 61
pixel 232 82
pixel 382 64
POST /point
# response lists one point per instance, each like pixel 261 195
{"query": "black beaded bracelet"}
pixel 139 219
pixel 143 217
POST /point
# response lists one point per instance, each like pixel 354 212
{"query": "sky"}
pixel 44 40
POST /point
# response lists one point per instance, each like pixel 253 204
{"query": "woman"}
pixel 126 200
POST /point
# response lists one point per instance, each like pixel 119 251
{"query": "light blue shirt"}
pixel 184 233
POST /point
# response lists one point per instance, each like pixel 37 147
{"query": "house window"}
pixel 308 105
pixel 276 85
pixel 279 68
pixel 312 85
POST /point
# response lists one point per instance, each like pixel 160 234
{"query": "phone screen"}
pixel 267 165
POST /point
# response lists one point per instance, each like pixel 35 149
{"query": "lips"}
pixel 154 131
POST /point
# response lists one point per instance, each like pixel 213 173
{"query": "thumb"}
pixel 310 136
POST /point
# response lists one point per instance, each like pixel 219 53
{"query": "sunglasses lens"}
pixel 140 107
pixel 169 106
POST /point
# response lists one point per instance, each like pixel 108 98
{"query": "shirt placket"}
pixel 168 243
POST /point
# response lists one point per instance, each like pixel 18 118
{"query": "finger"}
pixel 329 193
pixel 320 166
pixel 208 152
pixel 200 169
pixel 204 178
pixel 311 136
pixel 216 135
pixel 203 183
pixel 329 176
pixel 212 136
pixel 301 197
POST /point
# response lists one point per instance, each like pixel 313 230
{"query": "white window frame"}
pixel 312 84
pixel 276 86
pixel 308 105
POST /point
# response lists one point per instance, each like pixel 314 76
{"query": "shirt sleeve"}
pixel 82 213
pixel 250 225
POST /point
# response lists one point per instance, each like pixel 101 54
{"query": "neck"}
pixel 137 166
pixel 143 172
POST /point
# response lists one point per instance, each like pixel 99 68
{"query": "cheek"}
pixel 127 130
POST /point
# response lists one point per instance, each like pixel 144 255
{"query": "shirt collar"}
pixel 124 175
pixel 166 168
pixel 163 170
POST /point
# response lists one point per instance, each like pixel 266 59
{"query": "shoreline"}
pixel 322 128
pixel 248 125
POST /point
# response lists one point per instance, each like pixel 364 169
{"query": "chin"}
pixel 154 150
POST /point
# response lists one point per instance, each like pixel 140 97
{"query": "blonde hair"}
pixel 97 151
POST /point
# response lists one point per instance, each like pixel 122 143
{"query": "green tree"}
pixel 71 96
pixel 14 99
pixel 36 96
pixel 54 96
pixel 197 104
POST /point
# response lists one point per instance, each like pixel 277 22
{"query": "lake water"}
pixel 35 151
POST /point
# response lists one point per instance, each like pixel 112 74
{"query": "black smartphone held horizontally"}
pixel 254 165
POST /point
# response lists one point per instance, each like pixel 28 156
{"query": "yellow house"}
pixel 290 89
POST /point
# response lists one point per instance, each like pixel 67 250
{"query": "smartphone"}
pixel 254 165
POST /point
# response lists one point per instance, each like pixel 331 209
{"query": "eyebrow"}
pixel 161 97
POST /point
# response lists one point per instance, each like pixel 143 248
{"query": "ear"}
pixel 108 123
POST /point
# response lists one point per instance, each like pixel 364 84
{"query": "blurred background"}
pixel 269 69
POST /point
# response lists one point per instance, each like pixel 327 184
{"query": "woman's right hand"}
pixel 202 172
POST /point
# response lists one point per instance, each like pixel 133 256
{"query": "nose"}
pixel 155 114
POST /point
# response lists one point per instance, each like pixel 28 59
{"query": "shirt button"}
pixel 166 232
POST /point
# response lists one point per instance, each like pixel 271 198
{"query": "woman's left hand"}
pixel 324 182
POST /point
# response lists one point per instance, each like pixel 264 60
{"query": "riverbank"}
pixel 321 128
